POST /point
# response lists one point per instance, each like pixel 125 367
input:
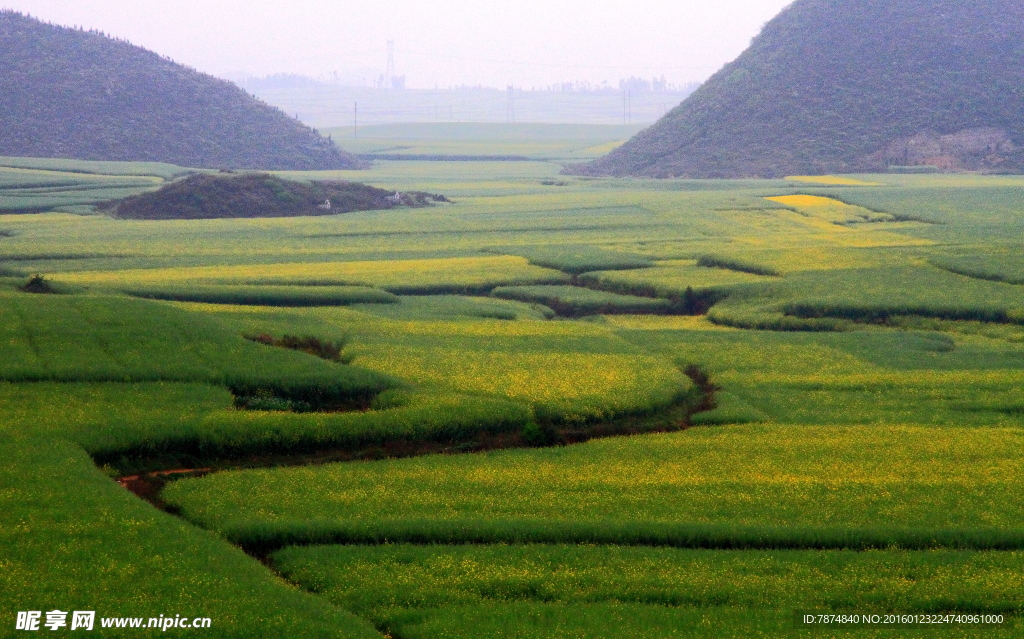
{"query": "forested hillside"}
pixel 75 94
pixel 851 85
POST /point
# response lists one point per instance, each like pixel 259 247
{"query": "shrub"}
pixel 535 434
pixel 37 284
pixel 331 351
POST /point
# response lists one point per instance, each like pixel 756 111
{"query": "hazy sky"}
pixel 453 42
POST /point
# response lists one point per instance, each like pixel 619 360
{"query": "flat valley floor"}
pixel 557 407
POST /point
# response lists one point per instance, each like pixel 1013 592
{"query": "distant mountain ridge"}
pixel 75 94
pixel 851 85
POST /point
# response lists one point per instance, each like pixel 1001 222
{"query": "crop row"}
pixel 95 338
pixel 575 301
pixel 370 578
pixel 395 417
pixel 397 276
pixel 268 295
pixel 833 300
pixel 746 486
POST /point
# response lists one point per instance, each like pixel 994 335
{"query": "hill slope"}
pixel 75 94
pixel 851 85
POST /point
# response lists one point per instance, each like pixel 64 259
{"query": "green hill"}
pixel 66 93
pixel 851 85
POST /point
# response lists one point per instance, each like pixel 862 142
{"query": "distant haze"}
pixel 526 43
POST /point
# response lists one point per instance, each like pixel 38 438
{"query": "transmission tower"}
pixel 389 75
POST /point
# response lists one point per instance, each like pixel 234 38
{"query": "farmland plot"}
pixel 854 345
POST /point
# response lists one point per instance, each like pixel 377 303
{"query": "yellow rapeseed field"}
pixel 818 258
pixel 463 328
pixel 809 201
pixel 764 475
pixel 665 323
pixel 580 385
pixel 826 223
pixel 570 370
pixel 675 276
pixel 830 209
pixel 456 271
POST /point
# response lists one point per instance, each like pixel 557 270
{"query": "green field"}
pixel 761 486
pixel 597 588
pixel 556 407
pixel 574 301
pixel 448 140
pixel 120 557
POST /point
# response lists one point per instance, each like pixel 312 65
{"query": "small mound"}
pixel 37 284
pixel 211 196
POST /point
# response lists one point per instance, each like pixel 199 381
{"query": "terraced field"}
pixel 557 407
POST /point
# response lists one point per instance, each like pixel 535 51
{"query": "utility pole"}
pixel 510 111
pixel 355 121
pixel 389 75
